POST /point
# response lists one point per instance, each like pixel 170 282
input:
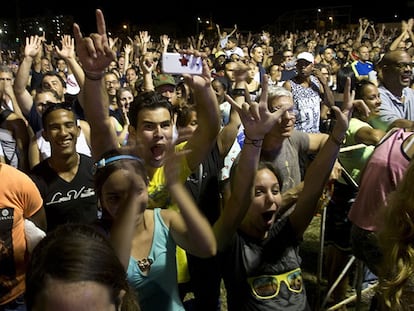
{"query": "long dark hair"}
pixel 75 253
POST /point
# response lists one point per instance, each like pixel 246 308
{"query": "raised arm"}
pixel 95 55
pixel 257 121
pixel 189 228
pixel 67 52
pixel 228 133
pixel 208 116
pixel 31 50
pixel 318 172
pixel 132 208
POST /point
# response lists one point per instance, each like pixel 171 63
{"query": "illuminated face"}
pixel 285 125
pixel 229 70
pixel 153 135
pixel 276 72
pixel 61 131
pixel 112 84
pixel 125 99
pixel 372 99
pixel 265 203
pixel 54 83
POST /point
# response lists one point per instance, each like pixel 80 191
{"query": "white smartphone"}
pixel 176 63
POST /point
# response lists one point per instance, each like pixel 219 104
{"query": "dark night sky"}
pixel 184 15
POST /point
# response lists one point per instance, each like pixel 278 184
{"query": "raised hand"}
pixel 33 46
pixel 68 47
pixel 94 52
pixel 197 82
pixel 256 117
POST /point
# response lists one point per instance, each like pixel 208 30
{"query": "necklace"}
pixel 144 264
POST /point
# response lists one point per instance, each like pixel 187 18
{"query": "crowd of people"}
pixel 128 188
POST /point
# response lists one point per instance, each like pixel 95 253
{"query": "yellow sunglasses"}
pixel 267 286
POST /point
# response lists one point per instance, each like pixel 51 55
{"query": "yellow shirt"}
pixel 159 196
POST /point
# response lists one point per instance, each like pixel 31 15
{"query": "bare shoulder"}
pixel 167 215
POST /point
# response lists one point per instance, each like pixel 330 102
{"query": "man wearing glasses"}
pixel 397 96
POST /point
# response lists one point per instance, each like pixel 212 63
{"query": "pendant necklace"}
pixel 144 264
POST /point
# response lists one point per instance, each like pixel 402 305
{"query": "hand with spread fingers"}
pixel 256 117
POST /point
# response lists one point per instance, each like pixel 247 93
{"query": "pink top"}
pixel 383 171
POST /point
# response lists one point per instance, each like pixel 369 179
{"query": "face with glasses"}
pixel 284 126
pixel 111 83
pixel 404 66
pixel 397 71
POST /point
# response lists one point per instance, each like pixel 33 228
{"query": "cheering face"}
pixel 397 73
pixel 112 84
pixel 265 204
pixel 153 135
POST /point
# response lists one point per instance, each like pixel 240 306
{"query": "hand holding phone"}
pixel 176 63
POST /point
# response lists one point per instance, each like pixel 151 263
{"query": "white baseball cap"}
pixel 306 56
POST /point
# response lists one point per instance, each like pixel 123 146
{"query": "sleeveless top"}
pixel 73 201
pixel 8 146
pixel 307 102
pixel 383 171
pixel 158 290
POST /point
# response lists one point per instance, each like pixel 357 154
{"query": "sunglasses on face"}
pixel 268 286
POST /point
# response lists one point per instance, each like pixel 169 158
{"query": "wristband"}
pixel 238 92
pixel 337 141
pixel 255 142
pixel 93 75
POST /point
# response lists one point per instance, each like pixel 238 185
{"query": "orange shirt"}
pixel 19 199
